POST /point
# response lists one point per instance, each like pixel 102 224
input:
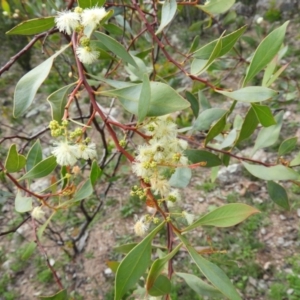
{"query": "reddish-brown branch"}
pixel 165 52
pixel 43 251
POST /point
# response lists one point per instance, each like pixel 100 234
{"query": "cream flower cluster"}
pixel 67 154
pixel 81 19
pixel 157 159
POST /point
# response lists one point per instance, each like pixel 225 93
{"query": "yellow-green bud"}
pixel 65 123
pixel 122 143
pixel 85 42
pixel 78 10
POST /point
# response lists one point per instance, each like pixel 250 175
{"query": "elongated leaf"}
pixel 204 103
pixel 229 139
pixel 250 94
pixel 266 51
pixel 199 286
pixel 33 26
pixel 28 251
pixel 277 74
pixel 215 7
pixel 58 101
pixel 269 135
pixel 212 272
pixel 216 129
pixel 287 146
pixel 278 195
pixel 14 161
pixel 5 6
pixel 207 117
pixel 134 264
pixel 194 103
pixel 34 156
pixel 96 173
pixel 28 85
pixel 85 191
pixel 90 3
pixel 145 99
pixel 164 99
pixel 249 125
pixel 264 115
pixel 181 178
pixel 228 42
pixel 42 169
pixel 197 156
pixel 279 172
pixel 198 66
pixel 43 227
pixel 162 286
pixel 115 47
pixel 225 216
pixel 158 266
pixel 61 295
pixel 22 203
pixel 125 248
pixel 167 14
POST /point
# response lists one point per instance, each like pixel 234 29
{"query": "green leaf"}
pixel 207 117
pixel 158 266
pixel 58 101
pixel 144 99
pixel 228 42
pixel 28 85
pixel 22 203
pixel 164 99
pixel 250 94
pixel 42 169
pixel 269 135
pixel 181 178
pixel 90 3
pixel 266 51
pixel 199 286
pixel 278 172
pixel 204 103
pixel 84 191
pixel 134 265
pixel 34 156
pixel 212 272
pixel 167 14
pixel 28 251
pixel 264 115
pixel 113 83
pixel 278 194
pixel 216 129
pixel 5 6
pixel 225 216
pixel 194 44
pixel 96 173
pixel 43 227
pixel 115 47
pixel 199 66
pixel 33 26
pixel 14 161
pixel 197 156
pixel 193 102
pixel 125 248
pixel 215 7
pixel 61 295
pixel 229 139
pixel 162 286
pixel 249 125
pixel 295 161
pixel 287 146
